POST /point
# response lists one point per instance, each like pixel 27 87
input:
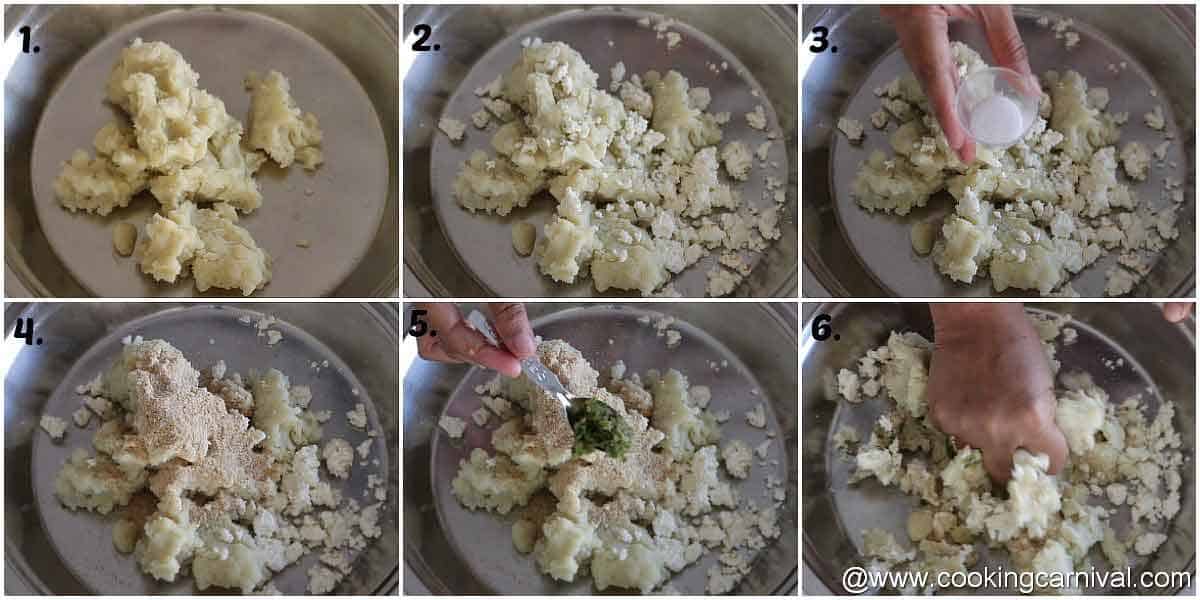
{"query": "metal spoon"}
pixel 538 373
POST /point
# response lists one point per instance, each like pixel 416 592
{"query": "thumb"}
pixel 998 464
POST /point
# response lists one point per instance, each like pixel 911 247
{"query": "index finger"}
pixel 512 325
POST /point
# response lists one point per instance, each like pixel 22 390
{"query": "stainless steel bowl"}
pixel 454 253
pixel 50 550
pixel 343 64
pixel 450 550
pixel 851 252
pixel 1157 355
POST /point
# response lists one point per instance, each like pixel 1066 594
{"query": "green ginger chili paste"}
pixel 598 427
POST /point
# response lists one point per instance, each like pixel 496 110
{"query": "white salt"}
pixel 997 120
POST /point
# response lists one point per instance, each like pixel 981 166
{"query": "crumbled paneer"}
pixel 481 118
pixel 757 417
pixel 1148 543
pixel 1136 161
pixel 757 118
pixel 737 160
pixel 357 417
pixel 879 119
pixel 851 128
pixel 847 382
pixel 453 426
pixel 634 170
pixel 364 449
pixel 737 458
pixel 54 426
pixel 235 490
pixel 481 416
pixel 82 416
pixel 630 523
pixel 453 128
pixel 1154 119
pixel 339 457
pixel 1043 523
pixel 1031 216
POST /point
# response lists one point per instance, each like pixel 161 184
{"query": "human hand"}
pixel 456 341
pixel 924 38
pixel 990 384
pixel 1177 311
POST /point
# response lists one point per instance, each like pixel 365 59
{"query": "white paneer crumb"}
pixel 481 118
pixel 700 395
pixel 273 337
pixel 82 417
pixel 737 160
pixel 357 417
pixel 481 416
pixel 764 151
pixel 453 128
pixel 98 405
pixel 673 39
pixel 497 405
pixel 738 459
pixel 879 119
pixel 339 457
pixel 757 118
pixel 673 338
pixel 1160 151
pixel 1116 492
pixel 54 426
pixel 763 449
pixel 757 417
pixel 1147 543
pixel 617 370
pixel 1135 160
pixel 1155 119
pixel 616 75
pixel 364 449
pixel 847 383
pixel 300 395
pixel 453 426
pixel 851 128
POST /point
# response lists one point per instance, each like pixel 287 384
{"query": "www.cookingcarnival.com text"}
pixel 857 580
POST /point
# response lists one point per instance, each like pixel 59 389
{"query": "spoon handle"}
pixel 531 367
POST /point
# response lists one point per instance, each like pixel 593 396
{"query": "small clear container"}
pixel 997 106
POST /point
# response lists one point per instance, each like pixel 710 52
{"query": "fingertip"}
pixel 966 152
pixel 522 346
pixel 1175 311
pixel 499 361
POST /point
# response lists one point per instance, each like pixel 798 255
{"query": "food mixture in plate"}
pixel 1035 214
pixel 182 146
pixel 634 171
pixel 630 522
pixel 219 474
pixel 1120 489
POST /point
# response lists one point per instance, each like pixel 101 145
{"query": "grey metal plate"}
pixel 1158 362
pixel 481 543
pixel 340 209
pixel 206 334
pixel 880 252
pixel 481 245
